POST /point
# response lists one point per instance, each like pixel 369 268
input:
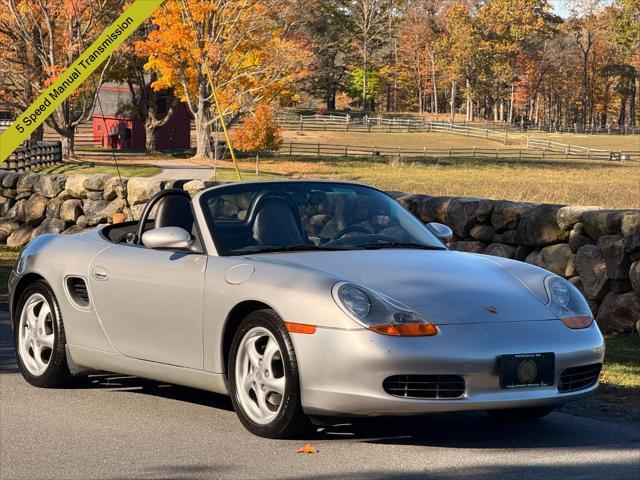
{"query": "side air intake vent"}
pixel 78 292
pixel 579 378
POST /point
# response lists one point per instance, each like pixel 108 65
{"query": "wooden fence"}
pixel 319 151
pixel 416 123
pixel 339 123
pixel 40 155
pixel 572 151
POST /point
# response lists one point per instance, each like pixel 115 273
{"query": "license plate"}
pixel 523 370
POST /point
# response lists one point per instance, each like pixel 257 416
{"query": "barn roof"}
pixel 114 100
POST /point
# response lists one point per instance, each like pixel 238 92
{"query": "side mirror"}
pixel 168 238
pixel 444 233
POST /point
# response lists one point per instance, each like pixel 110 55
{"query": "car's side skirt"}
pixel 109 362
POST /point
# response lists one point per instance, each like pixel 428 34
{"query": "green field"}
pixel 624 143
pixel 606 184
pixel 390 140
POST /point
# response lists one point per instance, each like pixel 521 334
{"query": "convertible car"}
pixel 302 300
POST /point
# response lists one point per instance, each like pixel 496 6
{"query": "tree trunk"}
pixel 364 76
pixel 469 102
pixel 434 85
pixel 37 135
pixel 452 103
pixel 495 111
pixel 511 100
pixel 150 137
pixel 68 142
pixel 632 105
pixel 623 112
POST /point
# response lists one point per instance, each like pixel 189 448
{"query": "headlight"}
pixel 381 313
pixel 567 303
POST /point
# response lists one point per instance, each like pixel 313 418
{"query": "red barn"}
pixel 115 124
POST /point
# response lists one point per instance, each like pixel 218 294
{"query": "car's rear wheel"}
pixel 263 377
pixel 521 414
pixel 39 337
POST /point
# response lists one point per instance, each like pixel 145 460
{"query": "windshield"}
pixel 291 216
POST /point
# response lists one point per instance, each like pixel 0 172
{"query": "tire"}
pixel 529 414
pixel 276 415
pixel 42 358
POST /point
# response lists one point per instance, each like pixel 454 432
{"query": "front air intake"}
pixel 579 378
pixel 77 288
pixel 436 387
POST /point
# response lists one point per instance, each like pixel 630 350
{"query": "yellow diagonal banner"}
pixel 75 75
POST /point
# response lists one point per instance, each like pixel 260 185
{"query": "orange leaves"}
pixel 307 448
pixel 259 132
pixel 242 42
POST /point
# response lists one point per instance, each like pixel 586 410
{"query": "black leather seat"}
pixel 175 211
pixel 276 222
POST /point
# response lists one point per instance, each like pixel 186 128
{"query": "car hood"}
pixel 446 287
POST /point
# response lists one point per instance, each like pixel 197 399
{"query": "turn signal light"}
pixel 300 328
pixel 406 329
pixel 576 323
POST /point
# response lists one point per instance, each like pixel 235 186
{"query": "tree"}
pixel 417 52
pixel 53 33
pixel 246 45
pixel 259 132
pixel 626 34
pixel 328 28
pixel 370 18
pixel 153 107
pixel 363 86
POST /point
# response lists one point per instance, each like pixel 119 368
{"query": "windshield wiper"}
pixel 417 246
pixel 293 248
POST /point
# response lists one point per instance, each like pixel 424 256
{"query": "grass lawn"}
pixel 607 184
pixel 8 257
pixel 619 392
pixel 389 140
pixel 625 143
pixel 89 168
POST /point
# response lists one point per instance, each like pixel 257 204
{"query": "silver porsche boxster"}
pixel 302 300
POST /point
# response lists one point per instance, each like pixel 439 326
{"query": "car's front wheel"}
pixel 39 337
pixel 263 377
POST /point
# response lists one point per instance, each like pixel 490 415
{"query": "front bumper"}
pixel 342 371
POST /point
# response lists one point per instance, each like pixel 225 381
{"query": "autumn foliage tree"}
pixel 38 41
pixel 246 45
pixel 259 132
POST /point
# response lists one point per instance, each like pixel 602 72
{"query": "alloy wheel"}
pixel 36 334
pixel 260 375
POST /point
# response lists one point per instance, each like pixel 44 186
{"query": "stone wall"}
pixel 33 204
pixel 597 250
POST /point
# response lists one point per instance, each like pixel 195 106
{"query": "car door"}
pixel 150 303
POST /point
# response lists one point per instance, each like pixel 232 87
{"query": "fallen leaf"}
pixel 308 449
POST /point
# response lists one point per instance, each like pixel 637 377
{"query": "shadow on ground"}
pixel 624 471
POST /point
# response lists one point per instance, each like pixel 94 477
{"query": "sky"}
pixel 560 7
pixel 563 8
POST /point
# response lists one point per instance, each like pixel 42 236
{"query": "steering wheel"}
pixel 152 203
pixel 351 229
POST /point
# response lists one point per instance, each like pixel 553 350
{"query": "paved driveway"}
pixel 122 427
pixel 182 171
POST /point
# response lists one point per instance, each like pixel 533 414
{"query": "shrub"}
pixel 259 133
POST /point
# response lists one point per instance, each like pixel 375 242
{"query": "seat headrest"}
pixel 175 211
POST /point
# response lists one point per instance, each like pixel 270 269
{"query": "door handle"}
pixel 100 273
